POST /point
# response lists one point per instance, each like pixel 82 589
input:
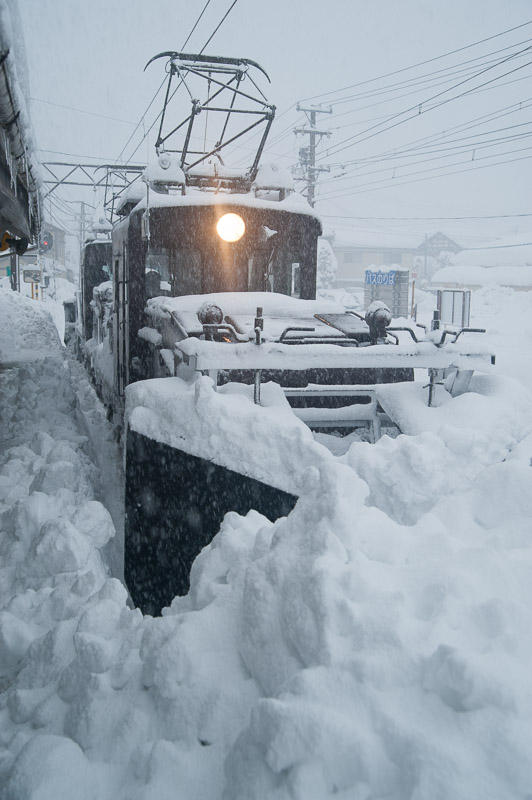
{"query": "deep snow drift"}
pixel 373 644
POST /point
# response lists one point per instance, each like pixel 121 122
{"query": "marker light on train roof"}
pixel 230 227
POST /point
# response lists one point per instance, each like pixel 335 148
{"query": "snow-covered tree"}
pixel 445 259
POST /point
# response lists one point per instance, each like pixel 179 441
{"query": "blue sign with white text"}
pixel 380 278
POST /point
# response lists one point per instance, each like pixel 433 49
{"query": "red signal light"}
pixel 47 242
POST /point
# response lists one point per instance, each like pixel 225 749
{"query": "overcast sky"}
pixel 90 55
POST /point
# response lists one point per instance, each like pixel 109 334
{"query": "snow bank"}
pixel 27 331
pixel 338 652
pixel 267 443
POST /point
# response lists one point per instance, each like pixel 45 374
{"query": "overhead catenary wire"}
pixel 428 219
pixel 288 130
pixel 141 120
pixel 418 107
pixel 365 188
pixel 434 138
pixel 501 246
pixel 203 10
pixel 387 102
pixel 440 136
pixel 439 154
pixel 181 81
pixel 215 31
pixel 430 77
pixel 99 159
pixel 335 114
pixel 394 181
pixel 421 63
pixel 80 110
pixel 426 104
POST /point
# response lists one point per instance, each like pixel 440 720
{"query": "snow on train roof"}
pixel 294 203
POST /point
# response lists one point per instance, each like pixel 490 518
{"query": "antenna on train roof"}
pixel 237 112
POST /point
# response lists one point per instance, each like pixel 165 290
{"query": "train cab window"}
pixel 187 272
pixel 157 280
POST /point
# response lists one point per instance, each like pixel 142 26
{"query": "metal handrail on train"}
pixel 459 333
pixel 225 327
pixel 322 339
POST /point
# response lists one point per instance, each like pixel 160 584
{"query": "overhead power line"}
pixel 427 219
pixel 215 31
pixel 500 246
pixel 141 120
pixel 393 181
pixel 382 117
pixel 365 188
pixel 417 81
pixel 203 10
pixel 108 159
pixel 469 65
pixel 80 110
pixel 418 107
pixel 181 81
pixel 139 123
pixel 420 63
pixel 470 149
pixel 440 136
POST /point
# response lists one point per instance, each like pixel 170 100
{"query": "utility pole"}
pixel 307 170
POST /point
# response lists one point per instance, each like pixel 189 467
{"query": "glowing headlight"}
pixel 230 227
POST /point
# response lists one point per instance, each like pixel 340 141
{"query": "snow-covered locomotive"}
pixel 214 290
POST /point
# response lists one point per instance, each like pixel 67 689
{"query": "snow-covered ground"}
pixel 373 644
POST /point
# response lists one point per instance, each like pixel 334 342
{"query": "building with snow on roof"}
pixel 358 251
pixel 505 262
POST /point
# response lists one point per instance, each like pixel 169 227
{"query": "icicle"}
pixel 12 170
pixel 148 214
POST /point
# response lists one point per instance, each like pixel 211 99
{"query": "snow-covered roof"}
pixel 131 196
pixel 272 175
pixel 464 275
pixel 98 240
pixel 294 203
pixel 14 115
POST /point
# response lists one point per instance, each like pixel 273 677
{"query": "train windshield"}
pixel 172 271
pixel 185 255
